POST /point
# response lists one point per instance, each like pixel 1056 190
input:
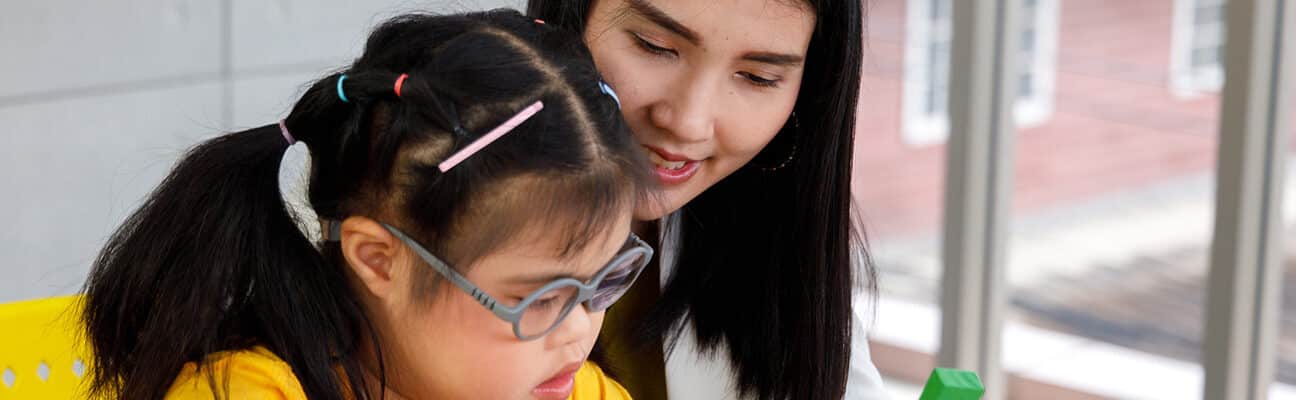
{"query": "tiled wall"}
pixel 97 99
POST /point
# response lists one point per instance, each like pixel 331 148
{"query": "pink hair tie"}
pixel 489 138
pixel 399 81
pixel 283 129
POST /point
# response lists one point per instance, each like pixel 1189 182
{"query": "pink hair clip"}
pixel 400 81
pixel 490 137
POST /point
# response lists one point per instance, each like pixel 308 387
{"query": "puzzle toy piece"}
pixel 952 384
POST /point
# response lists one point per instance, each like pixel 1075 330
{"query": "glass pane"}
pixel 899 164
pixel 617 282
pixel 1113 204
pixel 1284 386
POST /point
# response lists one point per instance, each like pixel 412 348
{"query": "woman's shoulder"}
pixel 254 373
pixel 592 384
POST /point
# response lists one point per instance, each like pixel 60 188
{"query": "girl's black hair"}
pixel 213 261
pixel 769 261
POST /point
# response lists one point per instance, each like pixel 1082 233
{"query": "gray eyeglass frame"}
pixel 584 290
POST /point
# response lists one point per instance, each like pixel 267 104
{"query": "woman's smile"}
pixel 672 169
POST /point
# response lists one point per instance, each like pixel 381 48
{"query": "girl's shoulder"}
pixel 254 373
pixel 593 384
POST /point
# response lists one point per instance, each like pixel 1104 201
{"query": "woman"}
pixel 747 110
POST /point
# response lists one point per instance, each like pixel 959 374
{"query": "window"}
pixel 927 67
pixel 1197 49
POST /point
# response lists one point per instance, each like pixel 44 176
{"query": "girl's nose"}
pixel 577 327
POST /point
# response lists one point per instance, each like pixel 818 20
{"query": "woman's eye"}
pixel 652 48
pixel 759 80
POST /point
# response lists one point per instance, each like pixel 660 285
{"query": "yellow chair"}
pixel 42 355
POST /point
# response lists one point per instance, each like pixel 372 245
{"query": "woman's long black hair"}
pixel 213 261
pixel 769 261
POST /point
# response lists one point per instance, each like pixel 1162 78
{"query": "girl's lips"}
pixel 559 386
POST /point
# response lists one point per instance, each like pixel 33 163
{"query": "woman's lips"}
pixel 559 386
pixel 672 169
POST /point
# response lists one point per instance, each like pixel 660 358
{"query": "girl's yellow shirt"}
pixel 257 373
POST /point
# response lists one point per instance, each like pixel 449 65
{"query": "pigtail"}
pixel 211 262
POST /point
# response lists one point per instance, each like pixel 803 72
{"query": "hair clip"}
pixel 490 137
pixel 399 81
pixel 608 91
pixel 283 129
pixel 341 93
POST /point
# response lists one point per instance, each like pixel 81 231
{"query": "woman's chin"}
pixel 652 211
pixel 660 203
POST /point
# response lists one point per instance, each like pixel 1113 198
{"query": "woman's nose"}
pixel 686 112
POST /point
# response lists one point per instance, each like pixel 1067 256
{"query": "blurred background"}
pixel 98 99
pixel 1113 197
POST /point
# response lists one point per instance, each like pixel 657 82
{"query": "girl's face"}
pixel 453 348
pixel 704 85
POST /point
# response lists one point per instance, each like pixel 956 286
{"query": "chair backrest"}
pixel 42 355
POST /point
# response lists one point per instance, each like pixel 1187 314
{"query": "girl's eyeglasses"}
pixel 541 311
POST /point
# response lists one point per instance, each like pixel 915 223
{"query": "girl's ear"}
pixel 372 253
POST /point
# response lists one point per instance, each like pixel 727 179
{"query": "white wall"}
pixel 98 98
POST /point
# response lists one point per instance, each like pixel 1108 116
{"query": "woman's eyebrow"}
pixel 659 17
pixel 777 59
pixel 655 15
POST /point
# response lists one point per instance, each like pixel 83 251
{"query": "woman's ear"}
pixel 371 252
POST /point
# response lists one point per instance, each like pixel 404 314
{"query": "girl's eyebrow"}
pixel 540 278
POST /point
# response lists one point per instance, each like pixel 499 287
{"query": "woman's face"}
pixel 704 85
pixel 453 348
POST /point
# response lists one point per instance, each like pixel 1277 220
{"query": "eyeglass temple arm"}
pixel 334 233
pixel 444 269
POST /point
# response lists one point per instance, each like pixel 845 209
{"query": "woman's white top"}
pixel 694 375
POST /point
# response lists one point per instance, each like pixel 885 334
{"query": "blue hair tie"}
pixel 342 94
pixel 608 91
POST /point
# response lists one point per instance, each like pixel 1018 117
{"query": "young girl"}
pixel 476 184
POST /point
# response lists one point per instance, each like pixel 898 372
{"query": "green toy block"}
pixel 952 384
